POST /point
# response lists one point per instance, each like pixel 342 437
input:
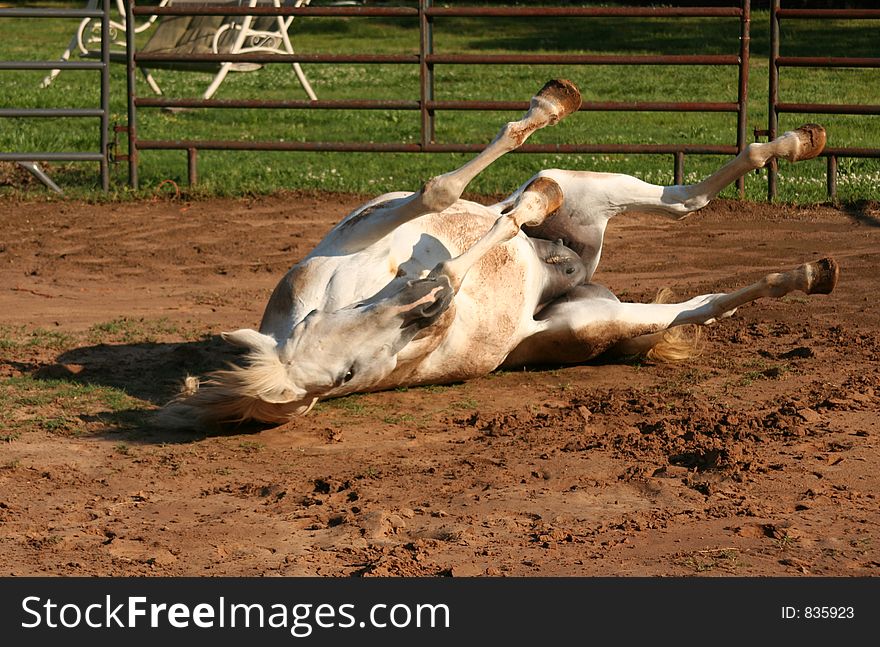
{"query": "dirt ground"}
pixel 758 458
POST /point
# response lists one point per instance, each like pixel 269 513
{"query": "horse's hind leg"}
pixel 804 143
pixel 556 100
pixel 591 321
pixel 591 199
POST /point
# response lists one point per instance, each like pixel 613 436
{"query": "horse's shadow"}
pixel 150 372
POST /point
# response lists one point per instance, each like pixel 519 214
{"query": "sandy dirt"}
pixel 758 458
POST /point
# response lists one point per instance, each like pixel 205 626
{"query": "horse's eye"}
pixel 344 378
pixel 569 270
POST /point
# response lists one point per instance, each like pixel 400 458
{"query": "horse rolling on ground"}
pixel 427 288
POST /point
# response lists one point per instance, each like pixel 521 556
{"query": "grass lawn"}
pixel 236 173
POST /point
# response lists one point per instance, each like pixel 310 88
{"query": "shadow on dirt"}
pixel 150 372
pixel 153 372
pixel 147 371
pixel 863 212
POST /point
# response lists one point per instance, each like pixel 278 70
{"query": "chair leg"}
pixel 283 26
pixel 224 70
pixel 304 82
pixel 148 77
pixel 75 43
pixel 37 171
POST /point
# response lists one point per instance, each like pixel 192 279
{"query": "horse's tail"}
pixel 259 390
pixel 671 345
pixel 674 344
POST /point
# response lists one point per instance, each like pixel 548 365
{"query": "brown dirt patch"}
pixel 759 457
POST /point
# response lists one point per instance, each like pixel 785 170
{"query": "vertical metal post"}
pixel 678 173
pixel 831 177
pixel 105 97
pixel 426 73
pixel 192 166
pixel 742 112
pixel 132 111
pixel 773 95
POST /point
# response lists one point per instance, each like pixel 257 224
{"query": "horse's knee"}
pixel 682 200
pixel 440 193
pixel 756 154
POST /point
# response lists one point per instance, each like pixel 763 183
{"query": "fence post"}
pixel 831 177
pixel 192 166
pixel 426 73
pixel 742 114
pixel 105 97
pixel 773 96
pixel 131 84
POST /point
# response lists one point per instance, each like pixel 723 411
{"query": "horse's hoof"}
pixel 823 276
pixel 811 142
pixel 563 95
pixel 550 193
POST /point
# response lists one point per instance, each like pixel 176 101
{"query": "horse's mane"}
pixel 259 390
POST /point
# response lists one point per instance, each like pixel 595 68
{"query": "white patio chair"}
pixel 183 35
pixel 87 37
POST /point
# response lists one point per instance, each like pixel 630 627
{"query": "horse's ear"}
pixel 247 338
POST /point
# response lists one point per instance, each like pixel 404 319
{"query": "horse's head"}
pixel 328 354
pixel 332 353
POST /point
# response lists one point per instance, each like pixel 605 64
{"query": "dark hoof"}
pixel 812 142
pixel 824 276
pixel 425 312
pixel 563 94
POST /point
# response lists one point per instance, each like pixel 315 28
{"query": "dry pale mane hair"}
pixel 230 396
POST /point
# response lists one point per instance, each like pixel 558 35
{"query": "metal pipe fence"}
pixel 426 104
pixel 29 158
pixel 777 107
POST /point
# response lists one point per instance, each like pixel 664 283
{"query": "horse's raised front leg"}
pixel 556 100
pixel 540 198
pixel 590 320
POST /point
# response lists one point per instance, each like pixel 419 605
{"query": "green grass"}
pixel 15 338
pixel 39 395
pixel 236 173
pixel 56 406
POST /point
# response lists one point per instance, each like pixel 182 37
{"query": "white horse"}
pixel 427 288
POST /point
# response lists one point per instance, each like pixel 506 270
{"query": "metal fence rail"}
pixel 427 59
pixel 102 112
pixel 776 107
